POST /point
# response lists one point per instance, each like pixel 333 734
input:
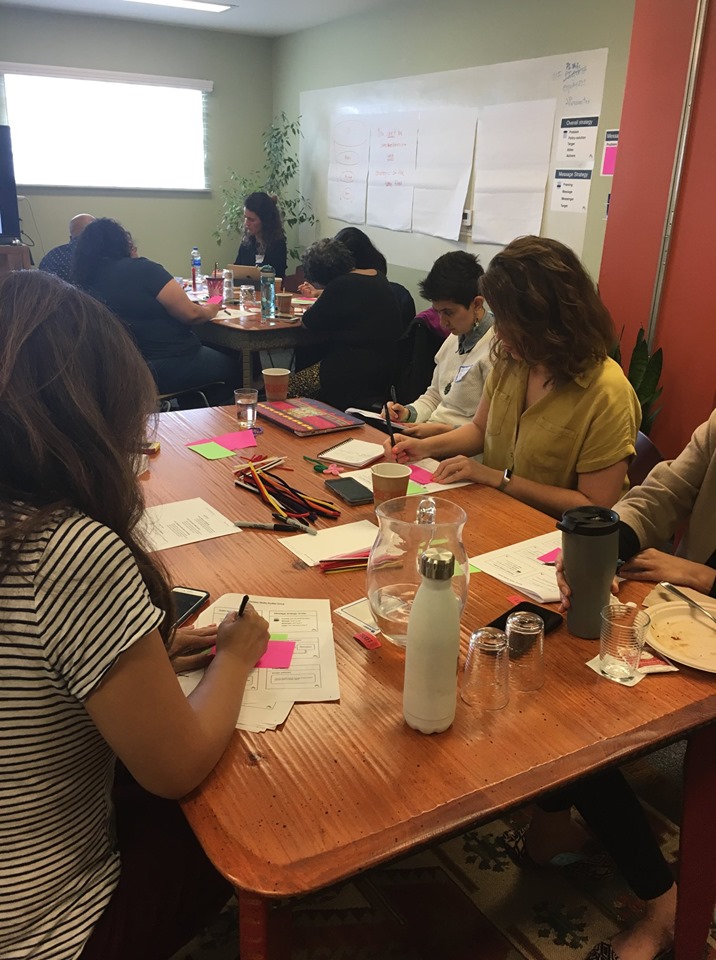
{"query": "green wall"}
pixel 164 225
pixel 421 36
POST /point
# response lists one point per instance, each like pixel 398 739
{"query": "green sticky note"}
pixel 414 488
pixel 279 636
pixel 474 569
pixel 211 450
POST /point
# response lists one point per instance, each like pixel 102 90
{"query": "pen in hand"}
pixel 243 605
pixel 388 422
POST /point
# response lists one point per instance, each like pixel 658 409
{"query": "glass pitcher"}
pixel 408 526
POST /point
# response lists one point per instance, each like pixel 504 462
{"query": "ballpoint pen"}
pixel 242 607
pixel 252 525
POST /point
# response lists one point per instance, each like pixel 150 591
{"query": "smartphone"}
pixel 350 490
pixel 186 602
pixel 551 619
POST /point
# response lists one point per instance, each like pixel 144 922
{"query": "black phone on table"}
pixel 186 602
pixel 551 618
pixel 349 490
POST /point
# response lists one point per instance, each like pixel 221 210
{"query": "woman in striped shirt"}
pixel 84 674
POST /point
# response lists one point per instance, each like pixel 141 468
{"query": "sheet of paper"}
pixel 446 140
pixel 511 170
pixel 570 190
pixel 428 465
pixel 344 538
pixel 577 142
pixel 185 521
pixel 259 711
pixel 391 171
pixel 313 675
pixel 359 612
pixel 518 566
pixel 348 168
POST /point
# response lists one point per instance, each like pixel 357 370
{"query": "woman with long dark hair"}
pixel 156 310
pixel 84 674
pixel 558 419
pixel 264 240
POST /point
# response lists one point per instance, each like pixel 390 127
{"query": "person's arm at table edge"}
pixel 178 305
pixel 467 440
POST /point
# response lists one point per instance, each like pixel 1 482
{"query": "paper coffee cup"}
pixel 284 302
pixel 389 480
pixel 276 382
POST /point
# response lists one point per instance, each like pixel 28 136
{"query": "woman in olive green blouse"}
pixel 558 419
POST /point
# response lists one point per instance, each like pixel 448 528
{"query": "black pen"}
pixel 243 605
pixel 388 422
pixel 251 525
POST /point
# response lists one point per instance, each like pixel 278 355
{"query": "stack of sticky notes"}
pixel 224 445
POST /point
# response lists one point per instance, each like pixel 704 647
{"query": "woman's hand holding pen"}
pixel 246 635
pixel 396 411
pixel 406 449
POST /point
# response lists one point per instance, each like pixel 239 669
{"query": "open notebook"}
pixel 352 453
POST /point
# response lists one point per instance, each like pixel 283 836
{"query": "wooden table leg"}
pixel 697 874
pixel 259 937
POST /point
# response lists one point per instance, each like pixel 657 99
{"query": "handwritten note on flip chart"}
pixel 348 168
pixel 391 171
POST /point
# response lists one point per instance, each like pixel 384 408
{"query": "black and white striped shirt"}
pixel 74 603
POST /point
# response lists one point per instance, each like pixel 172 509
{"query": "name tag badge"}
pixel 462 373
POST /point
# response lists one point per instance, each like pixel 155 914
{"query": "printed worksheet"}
pixel 519 566
pixel 185 521
pixel 312 674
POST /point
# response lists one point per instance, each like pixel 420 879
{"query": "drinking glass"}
pixel 486 678
pixel 246 401
pixel 246 295
pixel 621 640
pixel 525 639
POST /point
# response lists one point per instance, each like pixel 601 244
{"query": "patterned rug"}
pixel 466 900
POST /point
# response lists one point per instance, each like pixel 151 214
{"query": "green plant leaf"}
pixel 638 363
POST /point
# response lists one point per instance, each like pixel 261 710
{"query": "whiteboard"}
pixel 574 80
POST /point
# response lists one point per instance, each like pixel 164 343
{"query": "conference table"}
pixel 244 331
pixel 344 786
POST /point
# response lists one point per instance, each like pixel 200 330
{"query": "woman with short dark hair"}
pixel 357 325
pixel 88 874
pixel 154 307
pixel 558 419
pixel 264 240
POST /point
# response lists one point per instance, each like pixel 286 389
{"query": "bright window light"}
pixel 74 132
pixel 187 5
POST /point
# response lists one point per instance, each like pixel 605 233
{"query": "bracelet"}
pixel 506 477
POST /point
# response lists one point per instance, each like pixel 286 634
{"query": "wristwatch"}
pixel 506 477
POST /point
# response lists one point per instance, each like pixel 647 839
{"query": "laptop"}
pixel 244 274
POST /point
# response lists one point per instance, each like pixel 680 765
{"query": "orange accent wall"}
pixel 653 100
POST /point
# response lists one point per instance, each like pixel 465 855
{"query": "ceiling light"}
pixel 187 5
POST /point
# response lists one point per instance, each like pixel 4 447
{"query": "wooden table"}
pixel 249 335
pixel 345 786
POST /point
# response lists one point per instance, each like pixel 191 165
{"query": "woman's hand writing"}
pixel 396 411
pixel 246 636
pixel 406 449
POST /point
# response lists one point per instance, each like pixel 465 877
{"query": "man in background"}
pixel 59 259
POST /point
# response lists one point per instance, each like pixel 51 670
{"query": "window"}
pixel 90 128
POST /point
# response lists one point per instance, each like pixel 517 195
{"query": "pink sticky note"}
pixel 548 557
pixel 216 299
pixel 420 475
pixel 236 440
pixel 609 161
pixel 278 654
pixel 516 598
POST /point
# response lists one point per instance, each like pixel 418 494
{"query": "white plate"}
pixel 683 634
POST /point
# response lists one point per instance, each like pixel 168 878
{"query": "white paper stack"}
pixel 518 566
pixel 312 675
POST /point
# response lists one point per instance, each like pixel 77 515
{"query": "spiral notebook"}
pixel 352 453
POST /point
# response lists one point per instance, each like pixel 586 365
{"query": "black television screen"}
pixel 9 216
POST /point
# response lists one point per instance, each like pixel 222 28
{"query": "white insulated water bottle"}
pixel 433 645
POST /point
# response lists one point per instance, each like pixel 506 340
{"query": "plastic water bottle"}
pixel 268 292
pixel 431 654
pixel 195 267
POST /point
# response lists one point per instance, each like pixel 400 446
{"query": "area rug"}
pixel 465 900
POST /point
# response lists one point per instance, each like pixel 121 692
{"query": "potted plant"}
pixel 277 177
pixel 643 374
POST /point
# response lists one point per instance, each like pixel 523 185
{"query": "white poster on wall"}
pixel 570 190
pixel 514 141
pixel 348 168
pixel 391 170
pixel 446 140
pixel 577 142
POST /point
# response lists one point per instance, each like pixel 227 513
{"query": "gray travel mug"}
pixel 590 547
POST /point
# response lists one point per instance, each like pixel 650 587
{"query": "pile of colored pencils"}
pixel 284 500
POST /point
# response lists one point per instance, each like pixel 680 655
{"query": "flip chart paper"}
pixel 391 172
